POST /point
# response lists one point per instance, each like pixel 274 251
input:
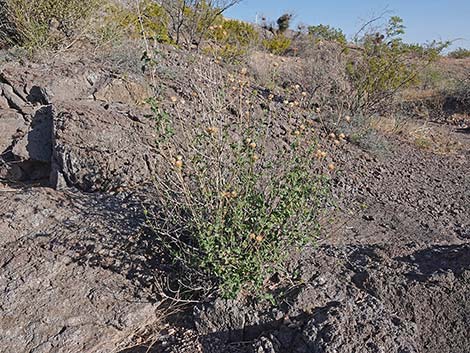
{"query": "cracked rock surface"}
pixel 58 295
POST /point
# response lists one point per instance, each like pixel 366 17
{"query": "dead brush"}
pixel 148 335
pixel 424 135
pixel 44 24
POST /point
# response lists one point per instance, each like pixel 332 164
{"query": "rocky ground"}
pixel 391 272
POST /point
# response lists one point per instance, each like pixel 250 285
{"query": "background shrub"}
pixel 44 23
pixel 190 19
pixel 279 44
pixel 327 33
pixel 384 65
pixel 231 39
pixel 460 53
pixel 147 19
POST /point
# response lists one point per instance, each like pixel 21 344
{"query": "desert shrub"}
pixel 362 131
pixel 430 78
pixel 43 23
pixel 190 19
pixel 147 19
pixel 233 201
pixel 458 97
pixel 279 44
pixel 322 76
pixel 460 53
pixel 384 65
pixel 231 39
pixel 325 32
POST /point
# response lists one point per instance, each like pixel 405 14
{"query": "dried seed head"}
pixel 212 130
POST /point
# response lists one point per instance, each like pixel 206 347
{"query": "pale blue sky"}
pixel 425 19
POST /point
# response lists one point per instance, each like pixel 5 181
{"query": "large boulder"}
pixel 100 147
pixel 89 144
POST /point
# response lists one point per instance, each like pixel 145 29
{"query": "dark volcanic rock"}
pixel 64 286
pixel 98 149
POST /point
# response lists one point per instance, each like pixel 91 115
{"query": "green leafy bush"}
pixel 231 39
pixel 149 20
pixel 279 44
pixel 232 202
pixel 385 65
pixel 325 32
pixel 43 23
pixel 232 216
